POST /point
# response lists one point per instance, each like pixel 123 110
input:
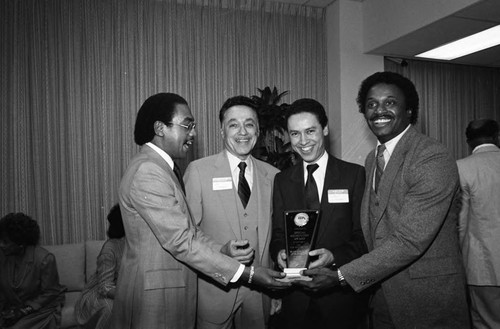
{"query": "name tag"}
pixel 222 183
pixel 338 196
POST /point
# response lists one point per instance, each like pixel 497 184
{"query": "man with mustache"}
pixel 157 285
pixel 233 203
pixel 337 193
pixel 408 217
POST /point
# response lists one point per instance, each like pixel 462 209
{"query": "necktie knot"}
pixel 380 150
pixel 312 168
pixel 242 165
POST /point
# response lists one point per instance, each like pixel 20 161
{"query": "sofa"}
pixel 76 263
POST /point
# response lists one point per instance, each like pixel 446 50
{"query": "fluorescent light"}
pixel 465 46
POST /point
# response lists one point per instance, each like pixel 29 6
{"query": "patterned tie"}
pixel 243 187
pixel 177 172
pixel 380 165
pixel 312 199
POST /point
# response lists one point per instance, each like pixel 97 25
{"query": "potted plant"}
pixel 273 145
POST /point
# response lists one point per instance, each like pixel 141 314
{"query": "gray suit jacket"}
pixel 156 285
pixel 412 238
pixel 216 213
pixel 479 220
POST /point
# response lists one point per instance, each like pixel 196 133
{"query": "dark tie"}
pixel 243 187
pixel 380 165
pixel 177 172
pixel 312 199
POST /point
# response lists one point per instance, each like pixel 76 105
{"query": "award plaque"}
pixel 300 232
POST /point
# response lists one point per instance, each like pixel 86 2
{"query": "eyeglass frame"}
pixel 190 127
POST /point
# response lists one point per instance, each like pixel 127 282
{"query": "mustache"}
pixel 381 116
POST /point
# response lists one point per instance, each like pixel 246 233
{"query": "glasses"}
pixel 189 127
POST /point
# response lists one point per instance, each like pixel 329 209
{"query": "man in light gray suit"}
pixel 413 264
pixel 157 285
pixel 221 208
pixel 479 221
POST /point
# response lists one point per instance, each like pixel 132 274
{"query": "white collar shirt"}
pixel 235 170
pixel 162 153
pixel 319 174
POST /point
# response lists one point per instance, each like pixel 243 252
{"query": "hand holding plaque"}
pixel 300 232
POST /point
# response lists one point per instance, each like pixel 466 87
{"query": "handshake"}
pixel 10 316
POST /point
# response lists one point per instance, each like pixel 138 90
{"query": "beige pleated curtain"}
pixel 75 72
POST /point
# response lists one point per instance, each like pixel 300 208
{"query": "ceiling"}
pixel 468 21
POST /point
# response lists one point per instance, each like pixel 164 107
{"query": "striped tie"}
pixel 243 187
pixel 380 165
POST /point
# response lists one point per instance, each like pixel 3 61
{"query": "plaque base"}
pixel 293 274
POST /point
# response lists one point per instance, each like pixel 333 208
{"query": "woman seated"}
pixel 93 309
pixel 30 294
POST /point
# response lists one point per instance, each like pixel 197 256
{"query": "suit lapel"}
pixel 227 198
pixel 332 177
pixel 366 225
pixel 392 169
pixel 262 189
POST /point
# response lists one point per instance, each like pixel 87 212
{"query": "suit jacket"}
pixel 339 227
pixel 156 285
pixel 216 213
pixel 412 237
pixel 479 220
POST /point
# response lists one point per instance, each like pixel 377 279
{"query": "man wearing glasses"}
pixel 229 195
pixel 156 284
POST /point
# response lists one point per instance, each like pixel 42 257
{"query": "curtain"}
pixel 450 97
pixel 75 72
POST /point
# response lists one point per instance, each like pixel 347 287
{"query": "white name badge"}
pixel 338 196
pixel 222 183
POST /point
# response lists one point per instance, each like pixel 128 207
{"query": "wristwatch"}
pixel 342 280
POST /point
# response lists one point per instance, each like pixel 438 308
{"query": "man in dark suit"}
pixel 338 190
pixel 408 218
pixel 157 285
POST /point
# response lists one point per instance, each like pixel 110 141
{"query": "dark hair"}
pixel 159 107
pixel 234 101
pixel 20 229
pixel 390 78
pixel 115 229
pixel 482 128
pixel 308 105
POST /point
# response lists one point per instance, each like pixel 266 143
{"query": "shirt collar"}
pixel 234 161
pixel 481 146
pixel 391 144
pixel 322 161
pixel 162 153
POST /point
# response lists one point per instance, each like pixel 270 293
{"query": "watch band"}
pixel 342 280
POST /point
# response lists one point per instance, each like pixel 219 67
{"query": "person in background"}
pixel 216 194
pixel 479 221
pixel 408 217
pixel 93 309
pixel 157 282
pixel 30 294
pixel 337 193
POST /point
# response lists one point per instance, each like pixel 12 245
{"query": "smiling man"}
pixel 338 193
pixel 408 217
pixel 157 285
pixel 229 195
